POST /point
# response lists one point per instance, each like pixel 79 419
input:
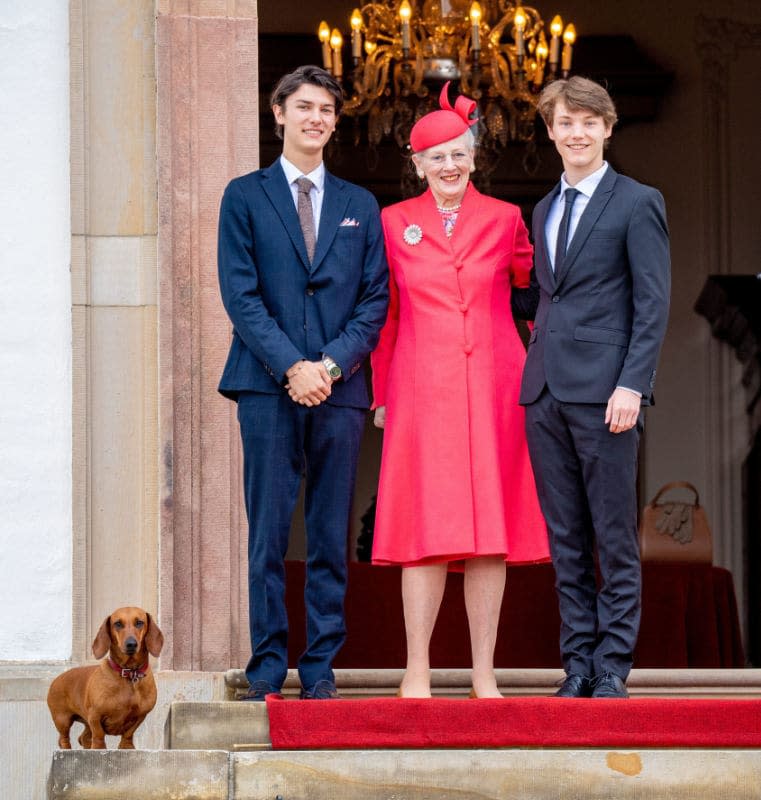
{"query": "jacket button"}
pixel 463 307
pixel 310 291
pixel 459 265
pixel 468 349
pixel 556 299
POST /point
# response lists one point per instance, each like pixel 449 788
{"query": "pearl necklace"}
pixel 449 209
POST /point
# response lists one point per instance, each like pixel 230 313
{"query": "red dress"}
pixel 455 480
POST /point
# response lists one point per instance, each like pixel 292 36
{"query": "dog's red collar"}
pixel 133 675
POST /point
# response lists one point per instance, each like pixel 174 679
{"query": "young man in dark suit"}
pixel 602 274
pixel 303 278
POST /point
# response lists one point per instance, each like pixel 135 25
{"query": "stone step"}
pixel 724 683
pixel 505 774
pixel 238 726
pixel 144 774
pixel 222 725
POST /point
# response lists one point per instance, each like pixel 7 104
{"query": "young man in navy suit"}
pixel 303 277
pixel 602 276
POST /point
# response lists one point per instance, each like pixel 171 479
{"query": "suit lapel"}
pixel 461 239
pixel 541 259
pixel 279 193
pixel 430 220
pixel 333 211
pixel 589 218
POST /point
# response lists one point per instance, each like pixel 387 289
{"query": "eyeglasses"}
pixel 458 157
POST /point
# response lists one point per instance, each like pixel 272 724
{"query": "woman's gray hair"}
pixel 470 141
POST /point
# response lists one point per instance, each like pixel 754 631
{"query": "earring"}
pixel 421 174
pixel 472 167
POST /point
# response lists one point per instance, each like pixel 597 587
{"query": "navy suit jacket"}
pixel 600 323
pixel 282 308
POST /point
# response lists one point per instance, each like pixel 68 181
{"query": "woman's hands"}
pixel 380 417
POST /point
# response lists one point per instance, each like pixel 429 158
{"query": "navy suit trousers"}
pixel 283 441
pixel 586 481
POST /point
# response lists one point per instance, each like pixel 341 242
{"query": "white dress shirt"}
pixel 316 194
pixel 586 188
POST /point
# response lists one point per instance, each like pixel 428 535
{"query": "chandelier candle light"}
pixel 402 52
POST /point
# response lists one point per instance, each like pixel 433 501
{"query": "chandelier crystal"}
pixel 402 51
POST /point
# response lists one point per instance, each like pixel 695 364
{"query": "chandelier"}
pixel 402 51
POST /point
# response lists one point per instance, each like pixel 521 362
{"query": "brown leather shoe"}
pixel 258 690
pixel 322 690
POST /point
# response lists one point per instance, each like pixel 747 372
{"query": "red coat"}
pixel 455 478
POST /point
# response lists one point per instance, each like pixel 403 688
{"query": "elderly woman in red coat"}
pixel 456 487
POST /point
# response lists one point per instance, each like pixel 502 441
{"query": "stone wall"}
pixel 35 333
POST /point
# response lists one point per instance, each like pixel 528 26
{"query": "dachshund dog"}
pixel 115 696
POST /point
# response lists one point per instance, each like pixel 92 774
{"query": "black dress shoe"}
pixel 575 686
pixel 608 685
pixel 258 690
pixel 322 690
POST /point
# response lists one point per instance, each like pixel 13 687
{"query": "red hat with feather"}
pixel 441 126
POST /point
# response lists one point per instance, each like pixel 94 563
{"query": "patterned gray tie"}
pixel 562 243
pixel 306 216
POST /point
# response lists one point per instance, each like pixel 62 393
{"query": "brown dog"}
pixel 115 696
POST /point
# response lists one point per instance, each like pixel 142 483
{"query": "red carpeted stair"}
pixel 512 722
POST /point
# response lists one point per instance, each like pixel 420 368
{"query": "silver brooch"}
pixel 413 234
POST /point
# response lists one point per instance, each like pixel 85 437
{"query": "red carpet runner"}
pixel 512 722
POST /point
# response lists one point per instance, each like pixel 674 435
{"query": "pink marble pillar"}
pixel 207 133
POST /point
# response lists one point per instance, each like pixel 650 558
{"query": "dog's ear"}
pixel 154 639
pixel 102 641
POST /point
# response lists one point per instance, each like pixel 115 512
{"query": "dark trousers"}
pixel 281 442
pixel 586 482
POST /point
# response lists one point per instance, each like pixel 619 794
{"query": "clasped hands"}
pixel 308 383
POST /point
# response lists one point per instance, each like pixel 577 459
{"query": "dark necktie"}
pixel 306 217
pixel 562 242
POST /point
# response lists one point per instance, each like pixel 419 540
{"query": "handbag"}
pixel 675 531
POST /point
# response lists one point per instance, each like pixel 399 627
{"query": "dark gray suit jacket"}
pixel 600 323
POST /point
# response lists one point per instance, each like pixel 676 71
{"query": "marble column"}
pixel 207 133
pixel 728 49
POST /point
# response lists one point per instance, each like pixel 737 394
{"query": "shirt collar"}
pixel 586 186
pixel 292 173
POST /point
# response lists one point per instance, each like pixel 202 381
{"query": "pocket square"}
pixel 349 222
